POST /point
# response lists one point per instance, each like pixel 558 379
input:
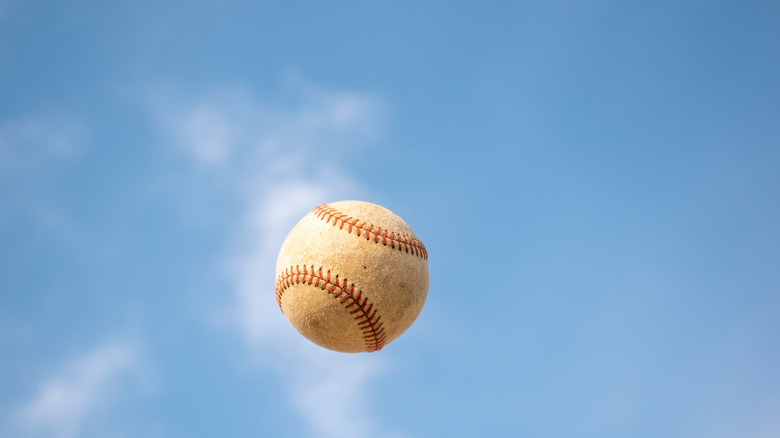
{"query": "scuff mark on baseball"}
pixel 351 276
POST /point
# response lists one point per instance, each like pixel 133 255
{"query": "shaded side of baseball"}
pixel 351 276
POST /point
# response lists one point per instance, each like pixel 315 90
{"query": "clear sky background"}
pixel 597 184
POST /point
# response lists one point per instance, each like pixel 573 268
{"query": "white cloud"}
pixel 66 401
pixel 230 128
pixel 282 160
pixel 208 134
pixel 31 150
pixel 30 142
pixel 333 392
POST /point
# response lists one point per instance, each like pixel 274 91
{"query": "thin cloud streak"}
pixel 66 402
pixel 28 143
pixel 282 160
pixel 32 148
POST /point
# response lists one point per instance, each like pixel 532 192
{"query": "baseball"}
pixel 351 276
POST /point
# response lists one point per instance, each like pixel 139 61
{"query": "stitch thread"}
pixel 397 241
pixel 351 297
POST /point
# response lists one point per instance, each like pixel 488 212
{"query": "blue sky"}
pixel 596 183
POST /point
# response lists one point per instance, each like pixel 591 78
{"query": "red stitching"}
pixel 397 241
pixel 365 313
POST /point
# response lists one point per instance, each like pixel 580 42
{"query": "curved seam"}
pixel 396 240
pixel 351 298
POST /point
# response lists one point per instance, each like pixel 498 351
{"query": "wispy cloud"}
pixel 282 159
pixel 27 143
pixel 31 150
pixel 79 391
